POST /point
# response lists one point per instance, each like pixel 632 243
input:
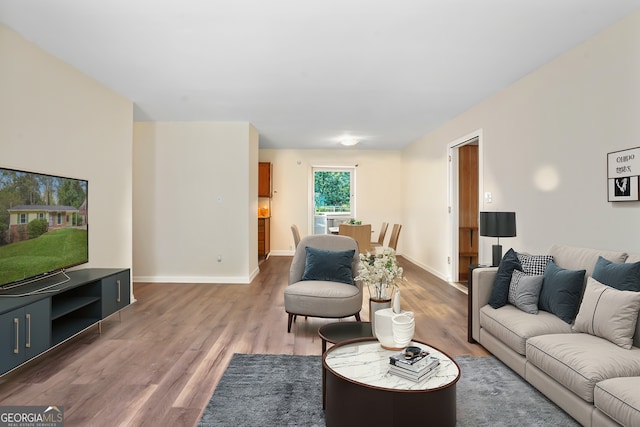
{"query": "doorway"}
pixel 464 188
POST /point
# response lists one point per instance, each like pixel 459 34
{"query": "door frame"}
pixel 452 148
pixel 350 167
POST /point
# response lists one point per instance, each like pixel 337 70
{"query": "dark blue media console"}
pixel 41 315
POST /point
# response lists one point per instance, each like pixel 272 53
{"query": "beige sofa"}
pixel 594 380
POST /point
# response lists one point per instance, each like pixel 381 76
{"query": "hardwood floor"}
pixel 158 363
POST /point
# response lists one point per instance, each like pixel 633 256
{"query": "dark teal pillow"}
pixel 332 266
pixel 500 291
pixel 561 291
pixel 625 277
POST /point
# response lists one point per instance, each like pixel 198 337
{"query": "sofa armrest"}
pixel 482 283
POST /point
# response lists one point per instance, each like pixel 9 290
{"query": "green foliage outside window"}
pixel 332 191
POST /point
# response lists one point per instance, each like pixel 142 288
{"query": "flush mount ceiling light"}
pixel 348 142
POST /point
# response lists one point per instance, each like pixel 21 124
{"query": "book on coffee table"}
pixel 412 375
pixel 417 364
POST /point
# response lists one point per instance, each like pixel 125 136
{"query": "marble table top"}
pixel 366 362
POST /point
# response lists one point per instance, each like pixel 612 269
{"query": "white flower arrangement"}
pixel 380 271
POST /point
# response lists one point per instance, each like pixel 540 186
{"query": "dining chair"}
pixel 296 235
pixel 395 233
pixel 381 235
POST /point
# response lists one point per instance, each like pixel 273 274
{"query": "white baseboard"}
pixel 282 253
pixel 242 280
pixel 436 273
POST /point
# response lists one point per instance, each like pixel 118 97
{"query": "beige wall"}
pixel 378 189
pixel 56 120
pixel 195 198
pixel 545 141
pixel 544 144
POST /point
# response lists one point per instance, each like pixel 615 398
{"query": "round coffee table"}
pixel 361 391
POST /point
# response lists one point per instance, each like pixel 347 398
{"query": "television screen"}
pixel 43 225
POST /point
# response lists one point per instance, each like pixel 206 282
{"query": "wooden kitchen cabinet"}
pixel 264 179
pixel 264 237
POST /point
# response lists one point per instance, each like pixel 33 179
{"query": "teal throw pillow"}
pixel 500 291
pixel 561 291
pixel 624 277
pixel 331 266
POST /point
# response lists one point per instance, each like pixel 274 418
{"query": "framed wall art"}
pixel 623 170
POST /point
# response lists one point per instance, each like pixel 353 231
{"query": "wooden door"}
pixel 467 209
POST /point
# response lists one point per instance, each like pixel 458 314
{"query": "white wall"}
pixel 378 190
pixel 195 198
pixel 545 144
pixel 56 120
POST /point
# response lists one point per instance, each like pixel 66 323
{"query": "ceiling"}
pixel 306 73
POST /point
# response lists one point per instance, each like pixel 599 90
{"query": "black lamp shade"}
pixel 498 224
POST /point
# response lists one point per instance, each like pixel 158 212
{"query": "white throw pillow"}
pixel 608 313
pixel 534 265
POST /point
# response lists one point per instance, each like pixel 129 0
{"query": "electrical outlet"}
pixel 219 258
pixel 488 197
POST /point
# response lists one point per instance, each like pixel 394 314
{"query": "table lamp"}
pixel 497 224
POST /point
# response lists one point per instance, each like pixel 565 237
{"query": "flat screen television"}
pixel 43 225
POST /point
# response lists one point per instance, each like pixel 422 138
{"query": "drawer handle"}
pixel 16 321
pixel 118 282
pixel 28 344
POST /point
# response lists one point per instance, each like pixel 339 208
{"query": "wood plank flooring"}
pixel 158 362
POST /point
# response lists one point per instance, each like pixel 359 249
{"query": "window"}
pixel 333 197
pixel 22 218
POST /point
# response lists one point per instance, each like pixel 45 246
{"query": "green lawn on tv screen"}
pixel 51 251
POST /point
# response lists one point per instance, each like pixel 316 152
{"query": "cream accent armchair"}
pixel 320 298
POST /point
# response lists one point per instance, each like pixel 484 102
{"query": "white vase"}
pixel 396 302
pixel 374 306
pixel 403 327
pixel 384 328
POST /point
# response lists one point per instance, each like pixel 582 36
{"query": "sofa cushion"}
pixel 633 258
pixel 636 337
pixel 561 289
pixel 319 298
pixel 579 361
pixel 332 266
pixel 623 276
pixel 524 291
pixel 608 313
pixel 619 399
pixel 513 326
pixel 534 264
pixel 574 258
pixel 500 291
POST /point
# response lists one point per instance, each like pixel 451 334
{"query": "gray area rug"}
pixel 285 390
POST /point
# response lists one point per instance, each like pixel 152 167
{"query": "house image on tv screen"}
pixel 55 217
